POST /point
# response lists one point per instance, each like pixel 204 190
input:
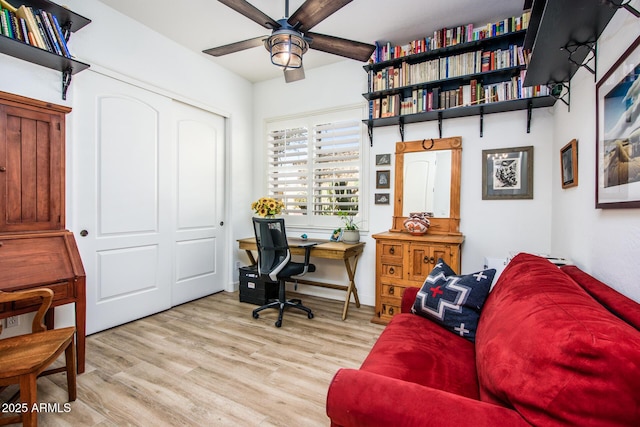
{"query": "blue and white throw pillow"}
pixel 454 301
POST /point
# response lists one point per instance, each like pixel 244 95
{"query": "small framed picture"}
pixel 382 198
pixel 383 159
pixel 336 235
pixel 507 173
pixel 569 164
pixel 382 179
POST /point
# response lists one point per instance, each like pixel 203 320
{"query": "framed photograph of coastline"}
pixel 618 133
pixel 507 173
pixel 569 164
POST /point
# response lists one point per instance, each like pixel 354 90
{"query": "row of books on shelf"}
pixel 446 37
pixel 464 64
pixel 34 27
pixel 474 93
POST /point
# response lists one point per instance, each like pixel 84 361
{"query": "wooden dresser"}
pixel 403 260
pixel 35 248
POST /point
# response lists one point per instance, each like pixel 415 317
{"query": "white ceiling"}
pixel 202 24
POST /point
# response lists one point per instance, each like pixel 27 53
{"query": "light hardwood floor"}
pixel 209 363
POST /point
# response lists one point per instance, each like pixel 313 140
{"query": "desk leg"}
pixel 252 260
pixel 81 324
pixel 351 272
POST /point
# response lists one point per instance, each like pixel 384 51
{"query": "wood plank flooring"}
pixel 209 363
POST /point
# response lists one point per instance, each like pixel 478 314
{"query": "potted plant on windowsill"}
pixel 350 231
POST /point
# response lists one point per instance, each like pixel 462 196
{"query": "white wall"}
pixel 117 45
pixel 603 242
pixel 492 228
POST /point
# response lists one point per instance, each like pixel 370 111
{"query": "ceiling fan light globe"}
pixel 286 48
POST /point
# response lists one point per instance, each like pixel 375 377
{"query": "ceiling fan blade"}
pixel 342 47
pixel 312 12
pixel 236 47
pixel 293 74
pixel 250 11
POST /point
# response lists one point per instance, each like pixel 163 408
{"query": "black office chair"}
pixel 275 265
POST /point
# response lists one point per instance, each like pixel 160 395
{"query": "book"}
pixel 3 23
pixel 26 14
pixel 5 4
pixel 25 32
pixel 42 31
pixel 46 20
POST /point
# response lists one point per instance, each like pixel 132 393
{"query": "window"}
pixel 315 166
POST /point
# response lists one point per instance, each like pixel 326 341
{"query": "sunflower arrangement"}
pixel 267 206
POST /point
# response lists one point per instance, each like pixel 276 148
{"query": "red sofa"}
pixel 554 347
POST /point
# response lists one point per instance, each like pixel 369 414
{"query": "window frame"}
pixel 310 120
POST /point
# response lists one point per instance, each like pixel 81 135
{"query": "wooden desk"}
pixel 325 249
pixel 50 260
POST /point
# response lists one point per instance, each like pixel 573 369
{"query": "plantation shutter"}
pixel 288 174
pixel 336 168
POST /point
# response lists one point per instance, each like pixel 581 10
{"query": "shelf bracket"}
pixel 529 108
pixel 66 30
pixel 401 128
pixel 66 81
pixel 481 121
pixel 370 132
pixel 557 90
pixel 572 48
pixel 624 5
pixel 440 124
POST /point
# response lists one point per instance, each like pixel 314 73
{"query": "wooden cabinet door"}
pixel 422 259
pixel 31 169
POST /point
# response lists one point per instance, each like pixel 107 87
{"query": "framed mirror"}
pixel 427 179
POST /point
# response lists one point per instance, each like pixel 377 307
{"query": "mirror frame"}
pixel 450 225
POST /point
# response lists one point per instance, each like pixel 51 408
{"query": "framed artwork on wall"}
pixel 382 198
pixel 569 164
pixel 383 159
pixel 507 173
pixel 618 133
pixel 383 179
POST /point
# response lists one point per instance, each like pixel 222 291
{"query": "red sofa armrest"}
pixel 361 398
pixel 408 298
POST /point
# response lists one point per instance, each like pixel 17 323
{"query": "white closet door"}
pixel 198 236
pixel 135 177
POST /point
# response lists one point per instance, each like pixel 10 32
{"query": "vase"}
pixel 351 236
pixel 418 223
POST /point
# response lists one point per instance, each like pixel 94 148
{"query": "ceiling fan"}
pixel 290 37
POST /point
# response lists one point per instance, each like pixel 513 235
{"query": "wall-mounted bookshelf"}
pixel 458 72
pixel 50 53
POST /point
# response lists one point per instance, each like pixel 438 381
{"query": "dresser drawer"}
pixel 391 250
pixel 60 290
pixel 388 310
pixel 393 291
pixel 392 271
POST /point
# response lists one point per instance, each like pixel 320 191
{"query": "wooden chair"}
pixel 26 357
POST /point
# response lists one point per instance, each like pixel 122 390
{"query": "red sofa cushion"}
pixel 420 351
pixel 623 307
pixel 549 350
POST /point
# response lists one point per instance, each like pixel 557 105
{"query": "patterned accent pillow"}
pixel 454 301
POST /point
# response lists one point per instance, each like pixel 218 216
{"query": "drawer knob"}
pixel 392 250
pixel 391 270
pixel 391 290
pixel 391 310
pixel 3 169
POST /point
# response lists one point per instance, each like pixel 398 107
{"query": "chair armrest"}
pixel 361 398
pixel 307 250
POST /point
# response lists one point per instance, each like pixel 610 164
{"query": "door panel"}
pixel 200 198
pixel 122 199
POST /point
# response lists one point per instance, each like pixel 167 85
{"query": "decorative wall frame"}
pixel 569 164
pixel 618 133
pixel 507 173
pixel 383 179
pixel 383 159
pixel 382 198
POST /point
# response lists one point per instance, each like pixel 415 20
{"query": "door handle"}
pixel 84 233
